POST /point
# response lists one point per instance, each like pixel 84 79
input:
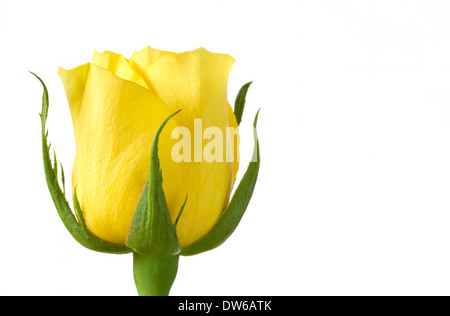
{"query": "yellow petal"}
pixel 140 60
pixel 196 82
pixel 118 65
pixel 114 123
pixel 232 122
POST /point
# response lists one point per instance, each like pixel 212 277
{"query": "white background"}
pixel 353 196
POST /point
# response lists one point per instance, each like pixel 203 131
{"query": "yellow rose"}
pixel 156 160
pixel 117 104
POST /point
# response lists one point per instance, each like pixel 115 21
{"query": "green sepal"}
pixel 240 102
pixel 79 232
pixel 181 211
pixel 231 217
pixel 152 232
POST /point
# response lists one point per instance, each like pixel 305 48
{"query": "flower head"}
pixel 117 104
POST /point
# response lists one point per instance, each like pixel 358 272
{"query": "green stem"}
pixel 154 276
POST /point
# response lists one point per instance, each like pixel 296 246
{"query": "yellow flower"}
pixel 117 104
